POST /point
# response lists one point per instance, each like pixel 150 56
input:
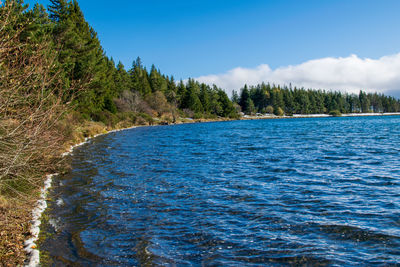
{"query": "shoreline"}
pixel 300 116
pixel 30 246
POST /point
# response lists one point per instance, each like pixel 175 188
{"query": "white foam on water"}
pixel 55 224
pixel 59 202
pixel 30 244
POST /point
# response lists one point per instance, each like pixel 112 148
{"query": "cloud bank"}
pixel 347 74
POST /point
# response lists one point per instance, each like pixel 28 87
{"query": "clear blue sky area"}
pixel 193 38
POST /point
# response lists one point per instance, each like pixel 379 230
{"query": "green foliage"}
pixel 269 109
pixel 30 98
pixel 140 78
pixel 302 101
pixel 235 97
pixel 250 108
pixel 106 117
pixel 335 113
pixel 278 111
pixel 159 103
pixel 109 104
pixel 55 76
pixel 146 117
pixel 58 9
pixel 228 109
pixel 244 100
pixel 99 90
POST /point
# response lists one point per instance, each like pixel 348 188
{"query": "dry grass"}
pixel 14 230
pixel 123 124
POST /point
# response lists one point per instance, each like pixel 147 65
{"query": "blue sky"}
pixel 209 37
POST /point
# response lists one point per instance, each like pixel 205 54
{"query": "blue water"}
pixel 267 192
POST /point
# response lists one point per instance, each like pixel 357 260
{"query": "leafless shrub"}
pixel 128 101
pixel 159 103
pixel 132 101
pixel 31 104
pixel 188 112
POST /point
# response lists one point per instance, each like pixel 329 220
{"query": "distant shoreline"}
pixel 295 116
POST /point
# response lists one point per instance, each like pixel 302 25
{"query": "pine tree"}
pixel 226 104
pixel 277 98
pixel 249 107
pixel 235 97
pixel 171 93
pixel 244 97
pixel 191 100
pixel 157 81
pixel 121 79
pixel 58 10
pixel 139 78
pixel 205 98
pixel 364 101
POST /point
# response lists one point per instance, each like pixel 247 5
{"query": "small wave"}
pixel 301 260
pixel 357 234
pixel 257 193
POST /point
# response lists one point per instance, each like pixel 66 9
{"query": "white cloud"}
pixel 349 74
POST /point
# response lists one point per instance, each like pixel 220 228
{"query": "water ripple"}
pixel 274 192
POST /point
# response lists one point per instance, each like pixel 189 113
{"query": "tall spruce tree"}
pixel 58 10
pixel 139 78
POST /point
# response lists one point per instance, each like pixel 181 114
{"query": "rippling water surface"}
pixel 295 191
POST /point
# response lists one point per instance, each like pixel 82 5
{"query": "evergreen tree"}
pixel 235 97
pixel 172 91
pixel 228 109
pixel 157 81
pixel 250 108
pixel 121 79
pixel 244 99
pixel 58 10
pixel 289 102
pixel 364 101
pixel 205 98
pixel 139 78
pixel 277 98
pixel 181 92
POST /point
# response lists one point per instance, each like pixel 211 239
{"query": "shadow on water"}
pixel 275 192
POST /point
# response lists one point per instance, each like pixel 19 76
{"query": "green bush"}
pixel 127 116
pixel 106 117
pixel 198 115
pixel 278 111
pixel 147 118
pixel 335 113
pixel 268 109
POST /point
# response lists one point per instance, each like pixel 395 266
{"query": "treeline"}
pixel 57 86
pixel 56 83
pixel 98 88
pixel 152 92
pixel 267 98
pixel 54 75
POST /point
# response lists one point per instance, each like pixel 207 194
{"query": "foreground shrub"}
pixel 30 104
